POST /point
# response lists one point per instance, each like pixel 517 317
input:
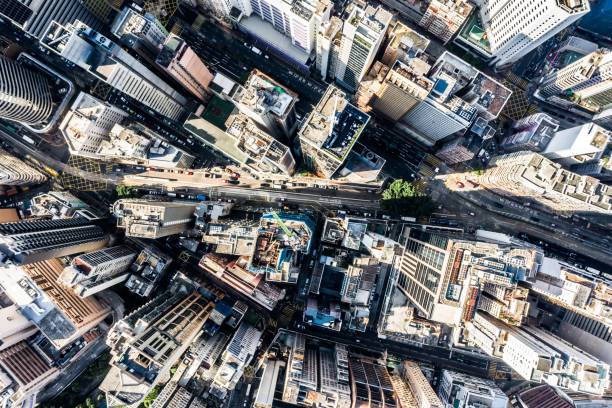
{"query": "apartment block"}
pixel 152 219
pixel 327 46
pixel 577 145
pixel 142 33
pixel 537 179
pixel 443 18
pixel 462 390
pixel 404 43
pixel 533 133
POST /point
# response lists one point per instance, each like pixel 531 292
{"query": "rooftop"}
pixel 262 94
pixel 334 125
pixel 404 37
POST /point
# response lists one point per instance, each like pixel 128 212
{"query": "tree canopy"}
pixel 401 198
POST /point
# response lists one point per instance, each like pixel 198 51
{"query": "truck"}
pixel 409 219
pixel 200 197
pixel 29 140
pixel 256 50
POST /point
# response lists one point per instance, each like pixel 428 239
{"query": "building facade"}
pixel 443 18
pixel 152 219
pixel 14 172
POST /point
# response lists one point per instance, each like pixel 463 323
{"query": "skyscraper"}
pixel 25 242
pixel 14 172
pixel 143 33
pixel 532 133
pixel 588 76
pixel 110 63
pixel 462 390
pixel 152 219
pixel 579 144
pixel 443 18
pixel 515 29
pixel 362 34
pixel 95 271
pixel 25 96
pixel 182 63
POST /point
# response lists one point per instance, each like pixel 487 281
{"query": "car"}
pixel 180 172
pixel 471 213
pixel 190 173
pixel 498 205
pixel 234 174
pixel 231 200
pixel 552 224
pixel 460 184
pixel 149 168
pixel 226 181
pixel 282 199
pixel 207 175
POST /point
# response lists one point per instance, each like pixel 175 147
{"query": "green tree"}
pixel 401 198
pixel 123 191
pixel 89 403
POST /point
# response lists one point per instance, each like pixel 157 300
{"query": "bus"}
pixel 51 172
pixel 11 129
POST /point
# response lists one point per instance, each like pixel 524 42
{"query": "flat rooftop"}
pixel 263 94
pixel 402 35
pixel 334 125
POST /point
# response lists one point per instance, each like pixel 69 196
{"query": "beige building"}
pixel 532 177
pixel 404 43
pixel 152 219
pixel 424 396
pixel 444 17
pixel 14 172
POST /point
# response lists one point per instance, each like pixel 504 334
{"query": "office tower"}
pixel 462 390
pixel 29 371
pixel 420 389
pixel 24 242
pixel 404 43
pixel 577 45
pixel 466 147
pixel 330 131
pixel 328 34
pixel 537 355
pixel 35 17
pixel 14 172
pixel 535 178
pixel 370 383
pixel 510 32
pixel 577 145
pixel 404 87
pixel 87 124
pixel 95 271
pixel 532 133
pixel 147 270
pixel 269 104
pixel 111 64
pixel 246 282
pixel 25 95
pixel 238 354
pixel 59 314
pixel 142 33
pixel 181 62
pixel 318 370
pixel 152 219
pixel 590 75
pixel 362 34
pixel 262 152
pixel 444 17
pixel 460 93
pixel 148 342
pixel 434 276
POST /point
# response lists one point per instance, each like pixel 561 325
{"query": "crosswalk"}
pixel 286 315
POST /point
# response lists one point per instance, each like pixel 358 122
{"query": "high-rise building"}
pixel 535 178
pixel 25 95
pixel 532 133
pixel 460 93
pixel 462 390
pixel 25 242
pixel 448 279
pixel 269 104
pixel 328 37
pixel 146 343
pixel 444 17
pixel 95 271
pixel 589 77
pixel 509 32
pixel 14 172
pixel 538 355
pixel 404 43
pixel 330 131
pixel 35 17
pixel 370 383
pixel 59 314
pixel 182 63
pixel 238 354
pixel 579 144
pixel 424 396
pixel 143 33
pixel 404 87
pixel 362 34
pixel 110 63
pixel 152 219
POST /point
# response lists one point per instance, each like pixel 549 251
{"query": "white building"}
pixel 14 172
pixel 133 28
pixel 577 145
pixel 114 66
pixel 465 391
pixel 95 271
pixel 328 39
pixel 362 34
pixel 537 355
pixel 515 29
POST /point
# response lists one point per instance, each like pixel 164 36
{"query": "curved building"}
pixel 14 172
pixel 24 95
